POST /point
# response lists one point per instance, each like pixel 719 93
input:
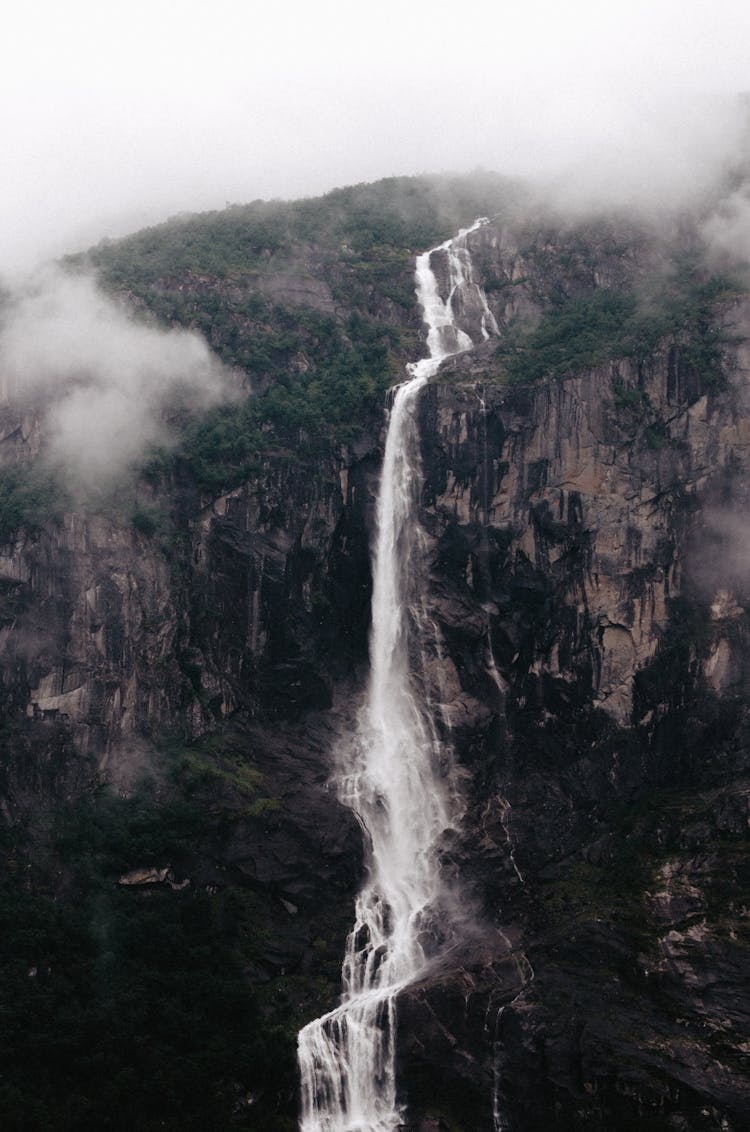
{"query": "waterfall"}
pixel 390 769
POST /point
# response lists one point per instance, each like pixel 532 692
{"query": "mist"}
pixel 115 117
pixel 118 117
pixel 727 231
pixel 103 381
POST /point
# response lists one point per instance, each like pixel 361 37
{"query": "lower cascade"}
pixel 391 771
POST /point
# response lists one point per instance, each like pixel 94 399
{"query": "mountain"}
pixel 180 653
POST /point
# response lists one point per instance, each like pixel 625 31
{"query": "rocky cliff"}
pixel 588 574
pixel 172 682
pixel 173 679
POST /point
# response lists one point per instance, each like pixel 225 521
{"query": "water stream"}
pixel 392 770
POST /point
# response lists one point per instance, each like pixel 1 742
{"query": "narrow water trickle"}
pixel 390 768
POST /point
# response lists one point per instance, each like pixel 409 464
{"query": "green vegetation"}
pixel 29 496
pixel 199 767
pixel 576 334
pixel 125 1010
pixel 218 450
pixel 318 370
pixel 152 520
pixel 580 333
pixel 345 383
pixel 305 410
pixel 121 1009
pixel 325 383
pixel 129 1006
pixel 368 223
pixel 359 241
pixel 691 321
pixel 318 377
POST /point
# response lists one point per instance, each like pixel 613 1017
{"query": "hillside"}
pixel 180 652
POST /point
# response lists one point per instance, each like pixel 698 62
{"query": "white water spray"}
pixel 390 772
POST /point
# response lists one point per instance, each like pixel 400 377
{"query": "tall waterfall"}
pixel 390 772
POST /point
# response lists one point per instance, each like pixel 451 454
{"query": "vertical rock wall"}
pixel 590 581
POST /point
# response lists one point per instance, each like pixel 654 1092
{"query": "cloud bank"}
pixel 727 231
pixel 102 379
pixel 114 117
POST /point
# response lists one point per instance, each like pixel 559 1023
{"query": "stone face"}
pixel 592 607
pixel 87 649
pixel 105 640
pixel 280 582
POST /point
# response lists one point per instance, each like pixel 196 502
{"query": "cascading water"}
pixel 390 769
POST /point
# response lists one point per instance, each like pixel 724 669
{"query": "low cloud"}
pixel 102 380
pixel 719 562
pixel 727 231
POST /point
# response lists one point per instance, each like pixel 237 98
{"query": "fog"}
pixel 118 115
pixel 727 231
pixel 103 380
pixel 115 116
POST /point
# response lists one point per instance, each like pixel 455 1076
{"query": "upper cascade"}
pixel 392 770
pixel 465 302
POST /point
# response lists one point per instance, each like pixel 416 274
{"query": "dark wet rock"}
pixel 596 652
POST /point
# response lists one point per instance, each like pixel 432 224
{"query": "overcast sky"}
pixel 119 114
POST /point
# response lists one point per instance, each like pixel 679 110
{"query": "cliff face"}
pixel 591 492
pixel 588 575
pixel 114 634
pixel 170 699
pixel 280 585
pixel 586 567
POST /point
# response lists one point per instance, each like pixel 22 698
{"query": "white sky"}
pixel 113 114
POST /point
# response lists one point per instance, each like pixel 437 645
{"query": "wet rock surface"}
pixel 599 713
